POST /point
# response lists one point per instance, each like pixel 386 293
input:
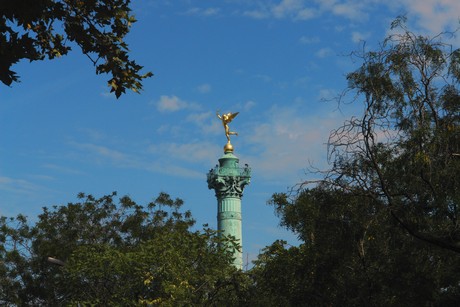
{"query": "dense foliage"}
pixel 38 29
pixel 352 254
pixel 114 254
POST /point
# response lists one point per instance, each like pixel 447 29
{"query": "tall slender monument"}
pixel 228 181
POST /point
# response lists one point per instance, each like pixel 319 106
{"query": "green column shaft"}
pixel 229 223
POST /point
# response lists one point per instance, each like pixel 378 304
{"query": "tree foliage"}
pixel 381 228
pixel 352 254
pixel 115 254
pixel 404 149
pixel 39 29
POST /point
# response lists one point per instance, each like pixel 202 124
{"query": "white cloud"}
pixel 172 159
pixel 199 118
pixel 174 170
pixel 19 186
pixel 356 10
pixel 182 159
pixel 262 77
pixel 63 169
pixel 257 14
pixel 304 82
pixel 327 94
pixel 210 11
pixel 247 106
pixel 306 40
pixel 357 37
pixel 206 122
pixel 294 9
pixel 204 88
pixel 93 134
pixel 352 10
pixel 19 191
pixel 102 151
pixel 170 130
pixel 172 104
pixel 287 142
pixel 305 10
pixel 324 52
pixel 434 16
pixel 108 95
pixel 286 7
pixel 42 177
pixel 306 14
pixel 279 143
pixel 199 152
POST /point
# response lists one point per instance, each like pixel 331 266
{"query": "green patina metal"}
pixel 228 181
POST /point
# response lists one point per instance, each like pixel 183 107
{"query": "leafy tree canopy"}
pixel 39 29
pixel 381 228
pixel 352 254
pixel 115 254
pixel 404 149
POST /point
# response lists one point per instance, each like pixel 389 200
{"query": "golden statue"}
pixel 226 119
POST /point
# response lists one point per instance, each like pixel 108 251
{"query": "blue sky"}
pixel 276 62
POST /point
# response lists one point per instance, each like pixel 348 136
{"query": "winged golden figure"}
pixel 226 119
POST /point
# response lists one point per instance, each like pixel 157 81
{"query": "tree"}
pixel 404 150
pixel 381 228
pixel 352 254
pixel 115 254
pixel 34 30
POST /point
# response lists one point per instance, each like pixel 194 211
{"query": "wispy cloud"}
pixel 306 14
pixel 101 154
pixel 173 104
pixel 294 9
pixel 102 151
pixel 107 95
pixel 279 143
pixel 257 14
pixel 204 88
pixel 93 134
pixel 287 141
pixel 19 186
pixel 433 15
pixel 327 94
pixel 210 11
pixel 199 152
pixel 262 77
pixel 324 52
pixel 172 169
pixel 174 159
pixel 306 40
pixel 205 121
pixel 17 191
pixel 298 10
pixel 170 129
pixel 63 169
pixel 246 106
pixel 357 37
pixel 350 9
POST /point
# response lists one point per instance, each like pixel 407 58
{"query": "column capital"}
pixel 227 185
pixel 227 178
